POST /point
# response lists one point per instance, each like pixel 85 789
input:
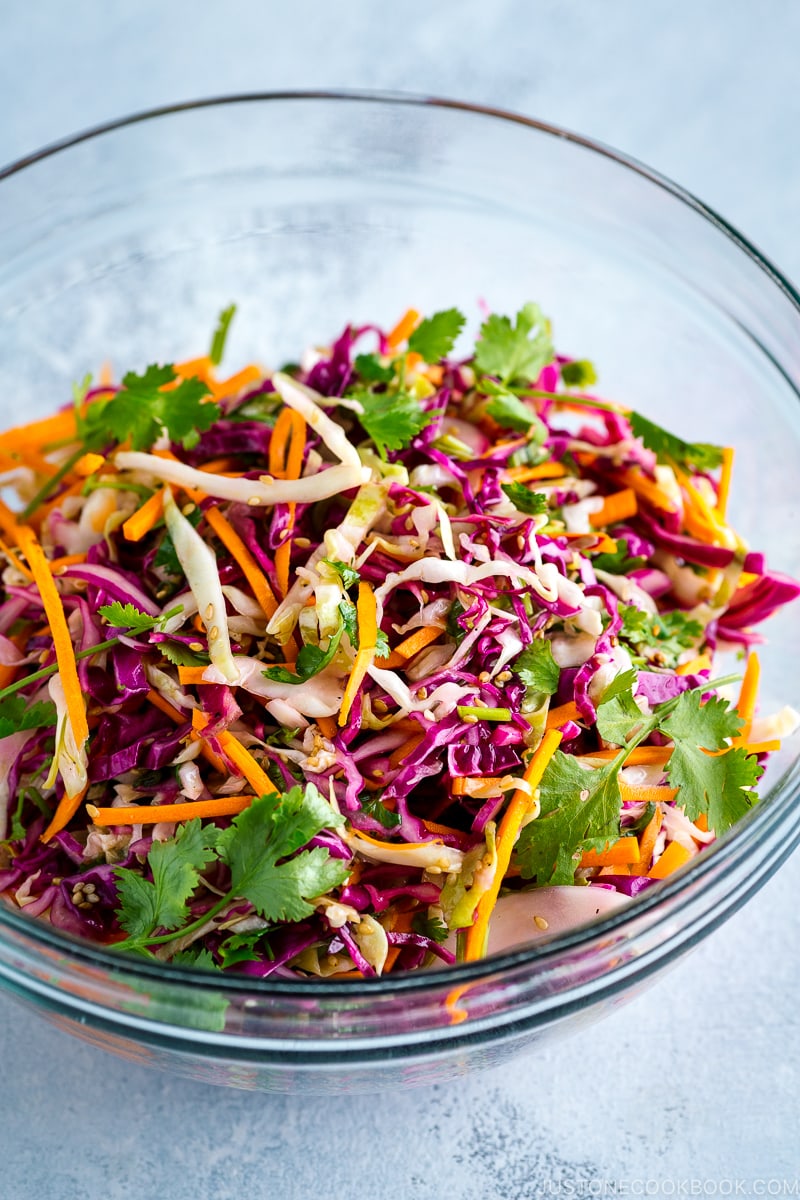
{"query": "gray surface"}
pixel 694 1084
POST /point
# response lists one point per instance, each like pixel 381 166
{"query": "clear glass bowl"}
pixel 312 210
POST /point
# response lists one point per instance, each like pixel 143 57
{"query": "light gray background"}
pixel 693 1085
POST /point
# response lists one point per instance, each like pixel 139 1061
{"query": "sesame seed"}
pixel 188 508
pixel 484 677
pixel 196 646
pixel 254 501
pixel 209 611
pixel 520 541
pixel 302 543
pixel 380 706
pixel 422 693
pixel 541 923
pixel 471 719
pixel 213 633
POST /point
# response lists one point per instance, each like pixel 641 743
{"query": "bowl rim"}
pixel 763 819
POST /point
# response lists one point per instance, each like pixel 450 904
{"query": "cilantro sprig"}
pixel 142 410
pixel 531 503
pixel 17 715
pixel 580 808
pixel 435 336
pixel 668 448
pixel 515 353
pixel 392 420
pixel 262 850
pixel 663 636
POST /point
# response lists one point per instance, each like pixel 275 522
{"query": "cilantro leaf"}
pixel 512 413
pixel 453 628
pixel 221 334
pixel 18 714
pixel 372 370
pixel 436 335
pixel 269 830
pixel 618 715
pixel 579 373
pixel 618 562
pixel 515 352
pixel 717 785
pixel 240 947
pixel 349 615
pixel 310 661
pixel 666 634
pixel 669 448
pixel 537 668
pixel 127 616
pixel 141 410
pixel 176 865
pixel 392 421
pixel 180 655
pixel 579 811
pixel 194 956
pixel 373 806
pixel 348 575
pixel 430 927
pixel 525 499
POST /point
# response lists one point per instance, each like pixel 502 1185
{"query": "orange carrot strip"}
pixel 66 560
pixel 235 383
pixel 619 506
pixel 642 794
pixel 724 485
pixel 701 663
pixel 286 462
pixel 417 641
pixel 646 488
pixel 15 561
pixel 392 661
pixel 403 329
pixel 367 837
pixel 506 838
pixel 59 427
pixel 673 857
pixel 367 634
pixel 413 360
pixel 445 830
pixel 62 639
pixel 88 465
pixel 327 727
pixel 647 843
pixel 187 676
pixel 562 714
pixel 642 755
pixel 398 756
pixel 250 568
pixel 145 517
pixel 175 714
pixel 624 851
pixel 601 542
pixel 761 747
pixel 546 470
pixel 702 823
pixel 151 814
pixel 619 869
pixel 748 693
pixel 67 807
pixel 236 753
pixel 201 367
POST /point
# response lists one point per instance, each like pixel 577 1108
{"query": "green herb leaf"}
pixel 718 786
pixel 141 411
pixel 668 448
pixel 176 865
pixel 179 654
pixel 270 830
pixel 196 956
pixel 668 634
pixel 374 807
pixel 537 668
pixel 618 562
pixel 18 714
pixel 240 947
pixel 430 927
pixel 348 575
pixel 618 715
pixel 221 334
pixel 525 499
pixel 454 630
pixel 436 335
pixel 515 352
pixel 512 413
pixel 310 661
pixel 579 811
pixel 392 421
pixel 580 373
pixel 372 370
pixel 127 616
pixel 349 615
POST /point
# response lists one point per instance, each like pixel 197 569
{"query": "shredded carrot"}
pixel 546 470
pixel 286 449
pixel 619 506
pixel 60 427
pixel 642 755
pixel 647 843
pixel 620 869
pixel 62 643
pixel 398 756
pixel 413 360
pixel 695 665
pixel 403 329
pixel 673 857
pixel 327 727
pixel 250 568
pixel 657 794
pixel 563 713
pixel 88 465
pixel 15 561
pixel 145 517
pixel 646 488
pixel 175 714
pixel 66 560
pixel 67 807
pixel 625 850
pixel 702 823
pixel 151 814
pixel 235 383
pixel 724 485
pixel 366 610
pixel 412 645
pixel 506 839
pixel 444 830
pixel 748 694
pixel 188 676
pixel 236 753
pixel 202 368
pixel 769 747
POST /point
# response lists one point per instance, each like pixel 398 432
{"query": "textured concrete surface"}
pixel 692 1088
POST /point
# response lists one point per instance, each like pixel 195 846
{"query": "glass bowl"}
pixel 310 210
